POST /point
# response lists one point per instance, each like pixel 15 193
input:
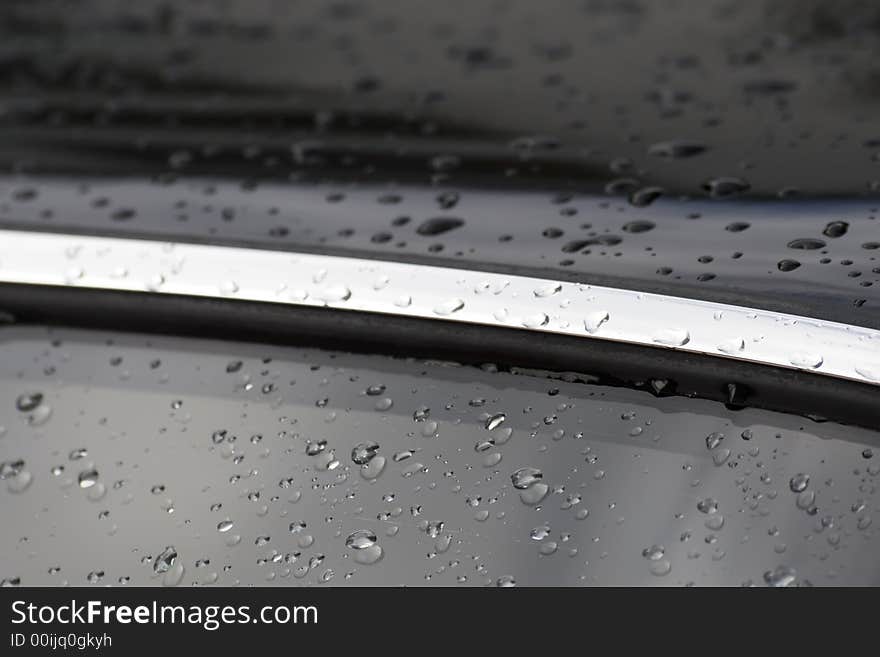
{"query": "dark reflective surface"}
pixel 155 460
pixel 627 143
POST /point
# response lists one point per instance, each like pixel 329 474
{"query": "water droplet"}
pixel 505 581
pixel 714 439
pixel 28 401
pixel 805 359
pixel 672 337
pixel 9 469
pixel 524 478
pixel 725 186
pixel 781 576
pixel 88 478
pixel 535 321
pixel 374 468
pixel 660 568
pixel 439 225
pixel 548 289
pixel 654 552
pixel 363 453
pixel 677 149
pixel 495 421
pixel 448 307
pixel 164 560
pixel 799 482
pixel 593 320
pixel 315 447
pixel 645 196
pixel 835 229
pixel 732 346
pixel 707 505
pixel 806 244
pixel 333 293
pixel 361 539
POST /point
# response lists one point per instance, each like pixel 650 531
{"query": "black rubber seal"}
pixel 663 371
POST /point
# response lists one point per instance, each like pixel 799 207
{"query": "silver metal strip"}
pixel 452 295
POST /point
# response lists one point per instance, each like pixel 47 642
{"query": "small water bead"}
pixel 799 482
pixel 9 469
pixel 677 149
pixel 433 529
pixel 224 526
pixel 421 414
pixel 645 196
pixel 19 482
pixel 593 320
pixel 448 307
pixel 174 575
pixel 375 390
pixel 787 265
pixel 725 186
pixel 364 452
pixel 373 468
pixel 505 581
pixel 707 505
pixel 672 337
pixel 87 478
pixel 28 401
pixel 732 346
pixel 714 439
pixel 369 555
pixel 536 320
pixel 361 539
pixel 548 548
pixel 525 478
pixel 805 359
pixel 806 500
pixel 806 244
pixel 164 560
pixel 547 290
pixel 835 229
pixel 315 447
pixel 495 421
pixel 333 293
pixel 781 576
pixel 660 568
pixel 654 552
pixel 720 456
pixel 714 522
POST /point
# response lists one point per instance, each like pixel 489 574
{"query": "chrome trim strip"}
pixel 452 295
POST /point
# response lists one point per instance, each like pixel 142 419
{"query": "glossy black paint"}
pixel 687 148
pixel 242 461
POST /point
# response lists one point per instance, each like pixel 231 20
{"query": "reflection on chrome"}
pixel 444 294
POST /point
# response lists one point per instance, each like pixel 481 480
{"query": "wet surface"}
pixel 134 460
pixel 726 151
